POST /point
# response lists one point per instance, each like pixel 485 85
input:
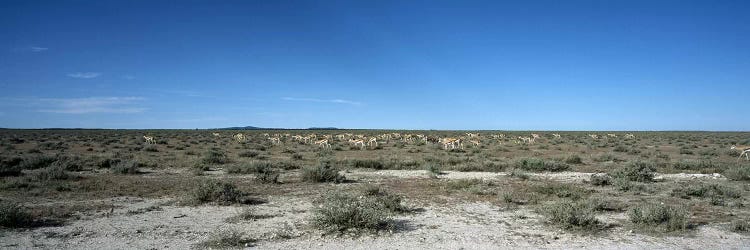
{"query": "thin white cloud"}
pixel 37 49
pixel 85 75
pixel 86 105
pixel 341 101
pixel 33 49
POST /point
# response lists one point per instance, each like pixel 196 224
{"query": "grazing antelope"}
pixel 372 142
pixel 556 135
pixel 149 139
pixel 535 136
pixel 472 135
pixel 744 149
pixel 526 139
pixel 239 137
pixel 323 143
pixel 361 143
pixel 593 136
pixel 612 135
pixel 275 140
pixel 631 136
pixel 452 143
pixel 217 135
pixel 475 142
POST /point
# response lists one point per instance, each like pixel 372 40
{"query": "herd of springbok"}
pixel 363 142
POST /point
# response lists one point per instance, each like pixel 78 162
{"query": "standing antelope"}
pixel 239 137
pixel 373 142
pixel 217 135
pixel 149 139
pixel 744 149
pixel 361 143
pixel 323 143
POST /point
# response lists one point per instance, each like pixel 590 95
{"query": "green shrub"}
pixel 740 226
pixel 341 211
pixel 600 180
pixel 520 174
pixel 37 162
pixel 664 217
pixel 573 159
pixel 693 165
pixel 51 173
pixel 10 167
pixel 249 153
pixel 263 170
pixel 215 156
pixel 324 172
pixel 636 171
pixel 127 167
pixel 13 215
pixel 538 165
pixel 738 173
pixel 572 215
pixel 227 239
pixel 561 190
pixel 218 192
pixel 716 192
pixel 433 169
pixel 367 163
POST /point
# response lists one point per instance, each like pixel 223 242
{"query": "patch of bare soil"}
pixel 281 224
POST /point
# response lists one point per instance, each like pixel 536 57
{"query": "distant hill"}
pixel 259 128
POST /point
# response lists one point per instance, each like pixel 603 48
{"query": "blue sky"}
pixel 522 65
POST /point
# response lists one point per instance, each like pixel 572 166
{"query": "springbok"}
pixel 149 139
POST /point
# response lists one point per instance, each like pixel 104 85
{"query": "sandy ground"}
pixel 136 223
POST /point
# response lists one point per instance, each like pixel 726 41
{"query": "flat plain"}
pixel 279 189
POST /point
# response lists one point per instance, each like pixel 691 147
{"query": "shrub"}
pixel 740 226
pixel 693 165
pixel 433 169
pixel 37 162
pixel 714 191
pixel 215 156
pixel 391 202
pixel 227 239
pixel 126 167
pixel 600 180
pixel 367 163
pixel 561 190
pixel 151 148
pixel 738 173
pixel 51 173
pixel 572 215
pixel 297 156
pixel 219 192
pixel 535 164
pixel 667 218
pixel 249 153
pixel 10 167
pixel 107 163
pixel 520 174
pixel 13 215
pixel 573 159
pixel 324 172
pixel 637 171
pixel 340 211
pixel 263 171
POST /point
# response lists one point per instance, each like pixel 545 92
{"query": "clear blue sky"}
pixel 522 65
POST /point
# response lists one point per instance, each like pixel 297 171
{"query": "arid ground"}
pixel 110 189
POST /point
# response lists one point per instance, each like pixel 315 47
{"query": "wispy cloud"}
pixel 85 75
pixel 341 101
pixel 33 49
pixel 37 49
pixel 86 105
